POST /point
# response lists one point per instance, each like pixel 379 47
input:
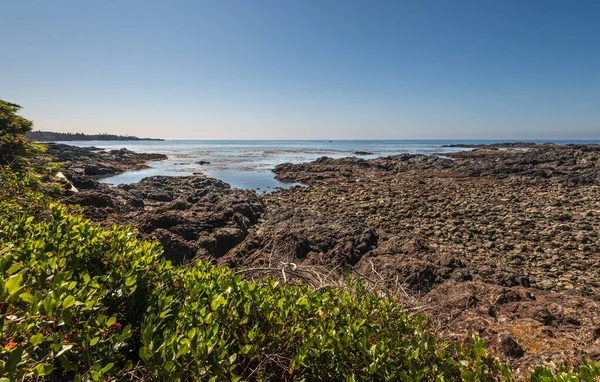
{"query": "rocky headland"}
pixel 503 242
pixel 84 165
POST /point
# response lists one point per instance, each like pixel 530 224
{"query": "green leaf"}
pixel 218 301
pixel 42 369
pixel 125 334
pixel 36 339
pixel 144 354
pixel 96 375
pixel 131 280
pixel 182 350
pixel 111 321
pixel 48 306
pixel 13 284
pixel 68 302
pixel 27 297
pixel 94 341
pixel 107 368
pixel 15 267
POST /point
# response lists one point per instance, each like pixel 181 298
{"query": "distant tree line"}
pixel 48 136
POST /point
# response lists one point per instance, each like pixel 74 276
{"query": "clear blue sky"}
pixel 299 69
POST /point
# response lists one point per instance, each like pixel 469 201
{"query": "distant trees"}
pixel 48 136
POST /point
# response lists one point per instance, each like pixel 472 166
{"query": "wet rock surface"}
pixel 82 165
pixel 504 243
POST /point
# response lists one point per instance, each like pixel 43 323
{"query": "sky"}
pixel 304 69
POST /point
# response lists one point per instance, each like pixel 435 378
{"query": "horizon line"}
pixel 148 139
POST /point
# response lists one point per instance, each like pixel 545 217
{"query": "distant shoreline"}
pixel 49 136
pixel 451 143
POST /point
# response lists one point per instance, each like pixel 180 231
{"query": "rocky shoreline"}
pixel 84 165
pixel 504 242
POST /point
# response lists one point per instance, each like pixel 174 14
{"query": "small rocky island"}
pixel 501 242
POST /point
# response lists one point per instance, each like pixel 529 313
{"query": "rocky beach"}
pixel 84 165
pixel 502 240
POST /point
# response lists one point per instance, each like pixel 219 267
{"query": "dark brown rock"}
pixel 83 165
pixel 190 216
pixel 510 347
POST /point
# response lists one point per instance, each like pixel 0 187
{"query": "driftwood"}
pixel 320 278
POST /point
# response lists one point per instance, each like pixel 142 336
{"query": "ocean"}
pixel 248 164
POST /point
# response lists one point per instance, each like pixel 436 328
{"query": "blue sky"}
pixel 299 69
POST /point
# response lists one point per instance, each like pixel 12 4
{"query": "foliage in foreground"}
pixel 82 303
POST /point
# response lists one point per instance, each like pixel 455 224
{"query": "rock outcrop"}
pixel 83 165
pixel 193 217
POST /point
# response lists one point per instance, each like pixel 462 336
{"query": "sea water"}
pixel 248 164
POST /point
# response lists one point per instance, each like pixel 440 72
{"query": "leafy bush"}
pixel 82 303
pixel 587 372
pixel 20 192
pixel 26 183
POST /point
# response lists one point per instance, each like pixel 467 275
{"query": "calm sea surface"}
pixel 248 164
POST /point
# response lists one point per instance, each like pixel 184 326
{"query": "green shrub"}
pixel 587 372
pixel 26 183
pixel 20 192
pixel 64 283
pixel 82 303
